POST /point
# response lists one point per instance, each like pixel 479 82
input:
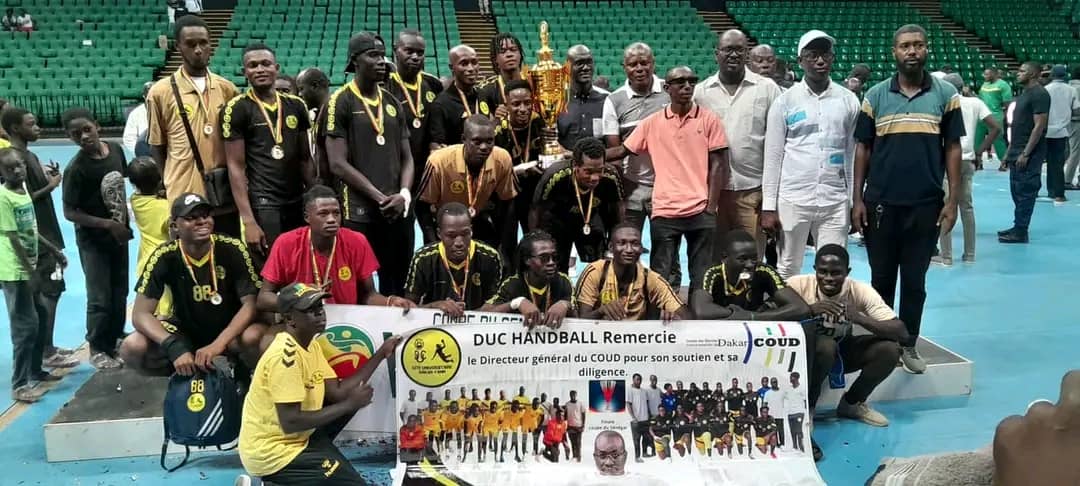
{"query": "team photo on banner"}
pixel 641 403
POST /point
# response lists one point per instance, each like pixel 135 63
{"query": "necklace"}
pixel 586 215
pixel 518 150
pixel 465 104
pixel 376 119
pixel 215 297
pixel 203 98
pixel 315 264
pixel 275 129
pixel 416 107
pixel 459 290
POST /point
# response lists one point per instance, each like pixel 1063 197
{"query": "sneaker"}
pixel 1014 237
pixel 103 361
pixel 1006 231
pixel 815 450
pixel 968 258
pixel 861 412
pixel 57 360
pixel 46 377
pixel 58 350
pixel 28 393
pixel 243 480
pixel 938 260
pixel 913 363
pixel 1059 201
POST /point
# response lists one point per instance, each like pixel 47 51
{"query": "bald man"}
pixel 583 117
pixel 609 452
pixel 763 61
pixel 460 100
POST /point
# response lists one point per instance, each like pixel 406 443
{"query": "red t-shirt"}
pixel 412 439
pixel 553 434
pixel 290 261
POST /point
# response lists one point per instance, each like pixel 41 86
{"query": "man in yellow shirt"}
pixel 530 424
pixel 453 428
pixel 296 404
pixel 433 426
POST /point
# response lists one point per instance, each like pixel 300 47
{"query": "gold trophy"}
pixel 549 84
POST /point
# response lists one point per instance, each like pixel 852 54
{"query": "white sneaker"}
pixel 243 480
pixel 912 361
pixel 861 412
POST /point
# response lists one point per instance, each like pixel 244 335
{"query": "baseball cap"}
pixel 812 36
pixel 362 42
pixel 300 296
pixel 1059 72
pixel 188 202
pixel 955 79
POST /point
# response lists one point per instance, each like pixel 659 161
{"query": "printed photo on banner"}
pixel 627 403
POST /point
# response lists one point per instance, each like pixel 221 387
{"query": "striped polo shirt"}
pixel 908 137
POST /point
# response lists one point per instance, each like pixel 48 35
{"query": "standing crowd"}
pixel 254 207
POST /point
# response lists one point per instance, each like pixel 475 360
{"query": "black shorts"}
pixel 321 463
pixel 41 279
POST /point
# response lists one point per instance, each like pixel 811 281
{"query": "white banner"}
pixel 701 437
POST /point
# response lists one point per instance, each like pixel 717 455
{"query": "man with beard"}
pixel 691 161
pixel 213 287
pixel 314 88
pixel 456 273
pixel 809 153
pixel 621 288
pixel 177 150
pixel 583 115
pixel 519 133
pixel 447 115
pixel 542 295
pixel 415 90
pixel 908 136
pixel 368 148
pixel 741 99
pixel 579 203
pixel 266 148
pixel 507 60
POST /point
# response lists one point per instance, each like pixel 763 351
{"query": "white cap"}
pixel 812 36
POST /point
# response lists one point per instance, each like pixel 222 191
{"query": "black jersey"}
pixel 720 424
pixel 661 425
pixel 734 398
pixel 750 403
pixel 743 423
pixel 764 426
pixel 430 279
pixel 683 424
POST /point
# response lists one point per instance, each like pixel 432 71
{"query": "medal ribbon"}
pixel 581 207
pixel 191 270
pixel 465 103
pixel 315 263
pixel 731 289
pixel 629 290
pixel 204 97
pixel 535 293
pixel 376 121
pixel 528 142
pixel 417 106
pixel 275 129
pixel 460 290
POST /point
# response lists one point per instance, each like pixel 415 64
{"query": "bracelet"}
pixel 390 300
pixel 175 347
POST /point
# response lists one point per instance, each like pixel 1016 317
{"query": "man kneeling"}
pixel 297 404
pixel 213 285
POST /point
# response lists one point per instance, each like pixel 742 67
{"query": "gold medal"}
pixel 277 153
pixel 381 140
pixel 275 127
pixel 208 129
pixel 585 230
pixel 416 123
pixel 416 107
pixel 376 117
pixel 216 299
pixel 472 212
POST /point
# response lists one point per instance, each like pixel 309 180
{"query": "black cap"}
pixel 188 202
pixel 363 42
pixel 300 296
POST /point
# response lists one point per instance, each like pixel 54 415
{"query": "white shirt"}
pixel 639 404
pixel 810 147
pixel 575 414
pixel 410 407
pixel 795 399
pixel 653 399
pixel 745 115
pixel 25 21
pixel 135 128
pixel 1062 102
pixel 974 111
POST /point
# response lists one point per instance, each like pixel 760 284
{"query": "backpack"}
pixel 201 410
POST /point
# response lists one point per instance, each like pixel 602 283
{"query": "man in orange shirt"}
pixel 555 434
pixel 411 440
pixel 690 158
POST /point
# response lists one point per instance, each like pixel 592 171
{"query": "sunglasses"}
pixel 691 80
pixel 546 257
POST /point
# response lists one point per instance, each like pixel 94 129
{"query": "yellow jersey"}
pixel 512 420
pixel 453 421
pixel 445 405
pixel 504 405
pixel 151 214
pixel 432 421
pixel 530 419
pixel 473 424
pixel 523 401
pixel 463 404
pixel 286 373
pixel 491 422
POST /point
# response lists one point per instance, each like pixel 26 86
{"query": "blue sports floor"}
pixel 1009 313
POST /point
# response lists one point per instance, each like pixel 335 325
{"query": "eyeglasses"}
pixel 609 456
pixel 546 257
pixel 727 51
pixel 815 55
pixel 692 81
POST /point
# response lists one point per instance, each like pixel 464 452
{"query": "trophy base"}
pixel 552 152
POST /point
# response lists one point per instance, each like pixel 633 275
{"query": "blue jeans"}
pixel 27 332
pixel 1024 183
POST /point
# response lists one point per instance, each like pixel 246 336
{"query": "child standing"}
pixel 151 211
pixel 94 201
pixel 18 257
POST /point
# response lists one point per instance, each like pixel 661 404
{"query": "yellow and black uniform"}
pixel 559 288
pixel 749 295
pixel 743 423
pixel 647 294
pixel 273 136
pixel 531 417
pixel 763 427
pixel 289 373
pixel 681 428
pixel 492 91
pixel 524 145
pixel 432 421
pixel 453 421
pixel 415 97
pixel 563 209
pixel 448 179
pixel 444 405
pixel 433 278
pixel 703 432
pixel 750 403
pixel 734 398
pixel 473 424
pixel 206 292
pixel 720 426
pixel 660 428
pixel 448 113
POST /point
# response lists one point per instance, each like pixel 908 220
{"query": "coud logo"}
pixel 779 347
pixel 346 348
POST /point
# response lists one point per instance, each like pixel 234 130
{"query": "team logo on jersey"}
pixel 390 110
pixel 291 121
pixel 196 402
pixel 346 348
pixel 344 273
pixel 431 357
pixel 430 96
pixel 607 295
pixel 187 109
pixel 457 187
pixel 476 279
pixel 220 272
pixel 484 108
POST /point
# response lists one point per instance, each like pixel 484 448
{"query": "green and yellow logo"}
pixel 346 348
pixel 431 357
